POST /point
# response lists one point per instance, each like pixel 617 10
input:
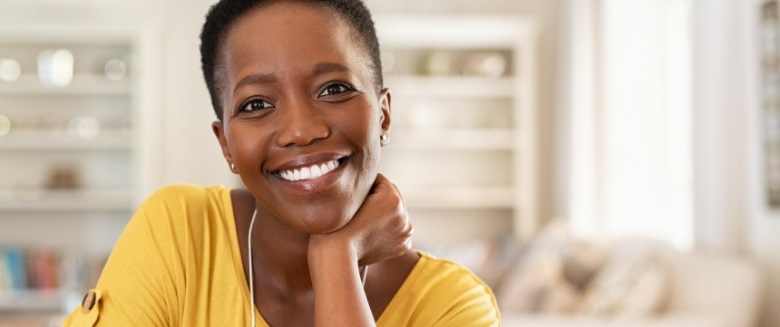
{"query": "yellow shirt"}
pixel 178 263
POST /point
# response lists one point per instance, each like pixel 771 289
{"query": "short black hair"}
pixel 224 13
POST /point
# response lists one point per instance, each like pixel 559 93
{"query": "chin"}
pixel 325 219
pixel 318 225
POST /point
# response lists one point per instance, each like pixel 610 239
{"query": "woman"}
pixel 325 239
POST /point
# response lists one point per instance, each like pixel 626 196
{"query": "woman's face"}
pixel 302 117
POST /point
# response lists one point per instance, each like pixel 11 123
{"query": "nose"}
pixel 301 124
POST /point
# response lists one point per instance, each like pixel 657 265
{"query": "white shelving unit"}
pixel 62 189
pixel 463 140
pixel 88 83
pixel 31 301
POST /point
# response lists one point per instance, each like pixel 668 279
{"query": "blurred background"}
pixel 597 162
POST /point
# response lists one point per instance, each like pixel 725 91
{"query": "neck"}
pixel 280 255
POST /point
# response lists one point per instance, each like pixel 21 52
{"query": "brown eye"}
pixel 333 89
pixel 256 105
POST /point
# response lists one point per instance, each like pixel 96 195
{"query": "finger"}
pixel 382 185
pixel 397 191
pixel 380 182
pixel 386 184
pixel 380 178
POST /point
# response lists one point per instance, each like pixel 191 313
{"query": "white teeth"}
pixel 311 172
pixel 305 173
pixel 316 171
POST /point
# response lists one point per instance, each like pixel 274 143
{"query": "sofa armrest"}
pixel 666 320
pixel 721 286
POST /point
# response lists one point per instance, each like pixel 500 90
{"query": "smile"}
pixel 310 172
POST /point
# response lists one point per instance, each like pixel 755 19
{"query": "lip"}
pixel 308 160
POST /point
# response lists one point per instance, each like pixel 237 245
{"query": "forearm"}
pixel 339 298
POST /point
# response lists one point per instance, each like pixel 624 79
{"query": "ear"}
pixel 219 132
pixel 385 100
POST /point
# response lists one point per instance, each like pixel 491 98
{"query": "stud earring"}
pixel 384 138
pixel 233 167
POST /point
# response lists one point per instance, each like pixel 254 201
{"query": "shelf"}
pixel 31 300
pixel 452 86
pixel 446 197
pixel 464 146
pixel 82 84
pixel 440 139
pixel 38 200
pixel 36 140
pixel 461 31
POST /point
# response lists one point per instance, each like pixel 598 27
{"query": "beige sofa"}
pixel 699 290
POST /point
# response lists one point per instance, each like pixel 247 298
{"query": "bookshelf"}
pixel 31 301
pixel 463 145
pixel 76 153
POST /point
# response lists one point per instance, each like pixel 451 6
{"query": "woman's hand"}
pixel 381 226
pixel 380 229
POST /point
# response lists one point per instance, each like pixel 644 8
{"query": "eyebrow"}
pixel 255 79
pixel 326 67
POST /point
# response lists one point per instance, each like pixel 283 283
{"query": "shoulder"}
pixel 181 204
pixel 179 192
pixel 446 293
pixel 449 275
pixel 178 197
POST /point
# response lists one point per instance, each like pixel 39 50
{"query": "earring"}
pixel 233 167
pixel 384 138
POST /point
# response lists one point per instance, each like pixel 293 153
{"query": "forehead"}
pixel 285 32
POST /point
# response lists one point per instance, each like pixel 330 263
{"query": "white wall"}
pixel 731 209
pixel 190 152
pixel 720 130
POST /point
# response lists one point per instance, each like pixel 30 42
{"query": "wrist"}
pixel 324 247
pixel 331 259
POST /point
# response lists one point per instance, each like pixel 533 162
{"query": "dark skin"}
pixel 298 92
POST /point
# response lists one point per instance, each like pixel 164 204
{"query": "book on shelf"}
pixel 15 270
pixel 42 269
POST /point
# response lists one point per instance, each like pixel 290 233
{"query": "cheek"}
pixel 247 144
pixel 363 130
pixel 361 125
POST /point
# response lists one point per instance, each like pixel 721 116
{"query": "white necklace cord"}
pixel 251 264
pixel 363 276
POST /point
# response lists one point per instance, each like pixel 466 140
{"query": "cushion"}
pixel 582 261
pixel 537 284
pixel 538 287
pixel 627 287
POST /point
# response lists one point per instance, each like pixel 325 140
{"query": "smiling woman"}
pixel 318 236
